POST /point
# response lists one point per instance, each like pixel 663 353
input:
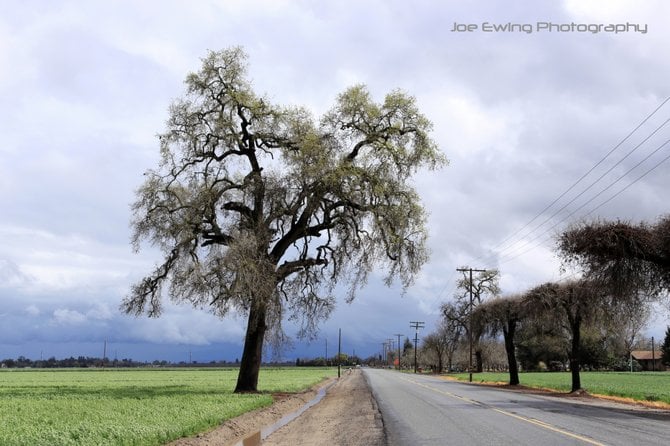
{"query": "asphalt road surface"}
pixel 421 410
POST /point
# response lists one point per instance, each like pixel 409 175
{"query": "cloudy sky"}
pixel 522 113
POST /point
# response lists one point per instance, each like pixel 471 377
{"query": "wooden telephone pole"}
pixel 416 325
pixel 471 285
pixel 398 349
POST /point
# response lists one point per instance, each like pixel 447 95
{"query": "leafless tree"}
pixel 626 321
pixel 484 284
pixel 442 343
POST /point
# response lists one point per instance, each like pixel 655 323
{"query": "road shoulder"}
pixel 347 416
pixel 235 429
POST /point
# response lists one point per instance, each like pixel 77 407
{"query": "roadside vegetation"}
pixel 640 386
pixel 130 407
pixel 593 320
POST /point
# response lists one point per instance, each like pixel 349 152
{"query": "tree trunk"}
pixel 440 364
pixel 252 355
pixel 511 355
pixel 574 355
pixel 479 363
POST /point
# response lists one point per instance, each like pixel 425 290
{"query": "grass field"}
pixel 642 386
pixel 130 407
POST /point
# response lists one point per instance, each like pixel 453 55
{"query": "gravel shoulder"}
pixel 347 416
pixel 235 429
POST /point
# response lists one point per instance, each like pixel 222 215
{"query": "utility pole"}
pixel 339 352
pixel 470 317
pixel 416 325
pixel 383 358
pixel 398 349
pixel 326 351
pixel 653 355
pixel 389 341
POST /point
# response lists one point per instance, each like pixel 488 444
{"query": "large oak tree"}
pixel 261 210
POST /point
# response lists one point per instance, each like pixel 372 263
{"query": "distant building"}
pixel 648 360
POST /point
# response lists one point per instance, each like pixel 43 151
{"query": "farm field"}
pixel 130 406
pixel 641 386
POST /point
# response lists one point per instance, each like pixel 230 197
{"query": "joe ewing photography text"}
pixel 550 27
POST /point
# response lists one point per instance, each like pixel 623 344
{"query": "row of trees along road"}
pixel 624 269
pixel 260 210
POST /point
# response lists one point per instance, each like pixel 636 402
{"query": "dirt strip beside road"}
pixel 347 416
pixel 239 427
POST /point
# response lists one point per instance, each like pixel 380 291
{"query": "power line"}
pixel 593 198
pixel 629 185
pixel 512 248
pixel 446 284
pixel 582 178
pixel 589 171
pixel 597 180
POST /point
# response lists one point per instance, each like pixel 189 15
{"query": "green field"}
pixel 642 386
pixel 131 406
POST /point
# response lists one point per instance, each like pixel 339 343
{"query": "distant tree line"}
pixel 343 360
pixel 71 362
pixel 91 362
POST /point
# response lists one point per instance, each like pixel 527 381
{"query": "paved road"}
pixel 420 410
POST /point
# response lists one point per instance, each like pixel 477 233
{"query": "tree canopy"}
pixel 624 257
pixel 261 210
